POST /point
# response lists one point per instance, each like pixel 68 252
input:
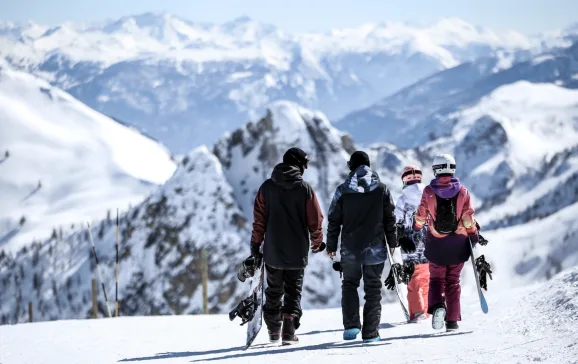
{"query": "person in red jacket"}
pixel 288 223
pixel 446 208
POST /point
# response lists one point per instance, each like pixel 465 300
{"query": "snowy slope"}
pixel 423 111
pixel 160 244
pixel 66 162
pixel 534 324
pixel 517 153
pixel 534 251
pixel 186 83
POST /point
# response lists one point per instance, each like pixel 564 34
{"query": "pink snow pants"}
pixel 444 288
pixel 417 290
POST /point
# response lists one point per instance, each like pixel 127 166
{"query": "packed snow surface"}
pixel 534 324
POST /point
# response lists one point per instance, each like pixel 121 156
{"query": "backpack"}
pixel 446 215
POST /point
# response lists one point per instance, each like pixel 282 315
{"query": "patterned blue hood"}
pixel 362 180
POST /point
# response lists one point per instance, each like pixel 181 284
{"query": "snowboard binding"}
pixel 245 309
pixel 248 268
pixel 482 241
pixel 484 270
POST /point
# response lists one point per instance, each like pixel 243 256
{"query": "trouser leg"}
pixel 352 274
pixel 273 299
pixel 372 308
pixel 453 292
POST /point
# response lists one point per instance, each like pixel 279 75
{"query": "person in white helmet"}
pixel 412 243
pixel 446 208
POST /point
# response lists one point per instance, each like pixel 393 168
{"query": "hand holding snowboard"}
pixel 402 273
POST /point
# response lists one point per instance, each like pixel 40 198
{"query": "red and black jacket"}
pixel 287 218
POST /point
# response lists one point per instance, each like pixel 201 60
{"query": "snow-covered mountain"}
pixel 207 203
pixel 160 244
pixel 186 83
pixel 62 162
pixel 425 110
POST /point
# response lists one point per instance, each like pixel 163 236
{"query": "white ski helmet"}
pixel 444 164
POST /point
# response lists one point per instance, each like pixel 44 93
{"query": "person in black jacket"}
pixel 288 219
pixel 362 211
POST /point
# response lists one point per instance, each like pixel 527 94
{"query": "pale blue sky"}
pixel 528 16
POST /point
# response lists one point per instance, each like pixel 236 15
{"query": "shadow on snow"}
pixel 381 327
pixel 284 349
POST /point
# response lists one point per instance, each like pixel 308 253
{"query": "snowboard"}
pixel 255 324
pixel 483 303
pixel 400 287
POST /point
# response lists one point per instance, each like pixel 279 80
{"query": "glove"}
pixel 390 281
pixel 474 238
pixel 318 248
pixel 408 270
pixel 255 249
pixel 337 268
pixel 484 270
pixel 256 252
pixel 407 245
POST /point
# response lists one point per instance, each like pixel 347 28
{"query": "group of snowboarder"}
pixel 432 225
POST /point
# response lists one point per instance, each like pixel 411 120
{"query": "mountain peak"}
pixel 243 19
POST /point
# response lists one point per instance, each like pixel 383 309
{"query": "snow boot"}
pixel 372 340
pixel 351 334
pixel 438 318
pixel 288 336
pixel 274 336
pixel 452 326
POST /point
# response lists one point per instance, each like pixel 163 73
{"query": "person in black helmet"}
pixel 362 212
pixel 288 223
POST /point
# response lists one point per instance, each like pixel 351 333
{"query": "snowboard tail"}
pixel 483 303
pixel 254 325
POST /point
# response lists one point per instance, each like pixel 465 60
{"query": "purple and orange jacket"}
pixel 446 249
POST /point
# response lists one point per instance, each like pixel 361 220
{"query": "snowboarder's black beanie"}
pixel 357 159
pixel 296 157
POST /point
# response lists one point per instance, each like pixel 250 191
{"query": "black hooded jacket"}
pixel 286 216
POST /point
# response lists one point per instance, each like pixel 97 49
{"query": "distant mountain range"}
pixel 187 83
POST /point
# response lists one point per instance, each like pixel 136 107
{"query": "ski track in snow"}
pixel 520 328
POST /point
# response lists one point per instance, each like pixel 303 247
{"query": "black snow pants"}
pixel 282 296
pixel 352 275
